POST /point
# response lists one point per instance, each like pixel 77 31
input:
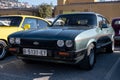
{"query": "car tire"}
pixel 90 58
pixel 108 49
pixel 3 49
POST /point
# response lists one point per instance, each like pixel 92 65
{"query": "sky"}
pixel 38 2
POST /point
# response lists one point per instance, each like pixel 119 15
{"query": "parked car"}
pixel 76 41
pixel 116 27
pixel 13 23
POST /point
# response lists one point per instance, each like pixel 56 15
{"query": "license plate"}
pixel 35 52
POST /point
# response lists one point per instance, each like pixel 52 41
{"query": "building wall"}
pixel 65 2
pixel 108 9
pixel 79 1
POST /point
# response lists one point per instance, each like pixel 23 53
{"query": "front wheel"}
pixel 3 50
pixel 90 58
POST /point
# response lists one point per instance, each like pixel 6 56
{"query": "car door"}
pixel 105 33
pixel 107 30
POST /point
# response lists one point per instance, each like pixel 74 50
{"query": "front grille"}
pixel 43 44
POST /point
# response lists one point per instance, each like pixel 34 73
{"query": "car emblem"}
pixel 36 43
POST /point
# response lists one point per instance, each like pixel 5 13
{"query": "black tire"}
pixel 3 49
pixel 90 58
pixel 108 49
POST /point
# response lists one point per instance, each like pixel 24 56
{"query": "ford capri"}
pixel 75 40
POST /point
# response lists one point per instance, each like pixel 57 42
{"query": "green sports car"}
pixel 74 40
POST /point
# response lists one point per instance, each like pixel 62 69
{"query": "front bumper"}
pixel 70 57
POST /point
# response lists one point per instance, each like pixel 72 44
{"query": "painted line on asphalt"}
pixel 2 65
pixel 109 74
pixel 14 76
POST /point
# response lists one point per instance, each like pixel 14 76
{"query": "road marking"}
pixel 109 74
pixel 2 65
pixel 42 78
pixel 13 75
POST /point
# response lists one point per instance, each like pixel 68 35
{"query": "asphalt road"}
pixel 107 67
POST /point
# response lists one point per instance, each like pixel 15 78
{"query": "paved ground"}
pixel 107 67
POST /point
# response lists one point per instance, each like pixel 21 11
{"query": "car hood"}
pixel 54 33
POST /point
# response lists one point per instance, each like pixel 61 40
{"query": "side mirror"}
pixel 104 26
pixel 26 26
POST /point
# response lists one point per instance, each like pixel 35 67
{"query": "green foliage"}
pixel 45 10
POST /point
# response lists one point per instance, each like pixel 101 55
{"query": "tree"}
pixel 45 10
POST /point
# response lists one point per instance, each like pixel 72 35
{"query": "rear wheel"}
pixel 3 50
pixel 90 58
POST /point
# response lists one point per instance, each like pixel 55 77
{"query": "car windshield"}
pixel 10 21
pixel 76 20
pixel 117 22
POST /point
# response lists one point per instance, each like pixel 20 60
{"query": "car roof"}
pixel 82 13
pixel 21 16
pixel 116 18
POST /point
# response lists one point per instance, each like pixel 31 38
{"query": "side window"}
pixel 61 22
pixel 105 21
pixel 31 21
pixel 42 24
pixel 100 21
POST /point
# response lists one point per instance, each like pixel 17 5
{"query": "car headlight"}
pixel 69 43
pixel 17 40
pixel 60 43
pixel 12 40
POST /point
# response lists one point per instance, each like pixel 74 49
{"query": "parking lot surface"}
pixel 107 67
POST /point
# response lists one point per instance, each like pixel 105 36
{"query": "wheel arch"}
pixel 91 41
pixel 4 41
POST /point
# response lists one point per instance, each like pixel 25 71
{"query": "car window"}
pixel 100 21
pixel 31 21
pixel 103 21
pixel 117 22
pixel 10 21
pixel 42 24
pixel 75 20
